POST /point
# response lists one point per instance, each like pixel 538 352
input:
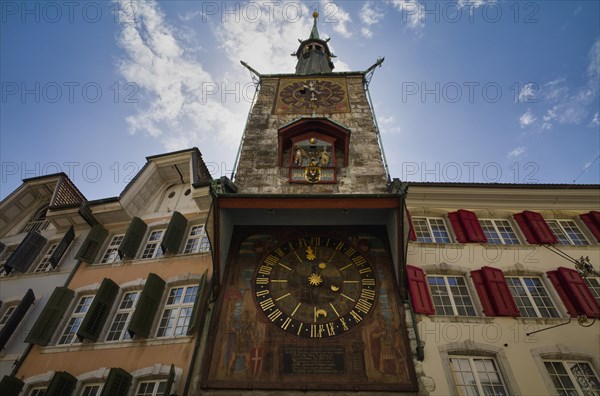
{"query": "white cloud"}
pixel 595 120
pixel 517 152
pixel 260 43
pixel 175 107
pixel 369 15
pixel 573 105
pixel 413 13
pixel 526 119
pixel 334 13
pixel 527 93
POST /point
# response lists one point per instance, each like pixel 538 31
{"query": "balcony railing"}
pixel 38 225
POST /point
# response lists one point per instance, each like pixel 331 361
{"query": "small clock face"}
pixel 311 94
pixel 315 287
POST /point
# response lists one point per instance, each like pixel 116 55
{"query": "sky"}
pixel 470 91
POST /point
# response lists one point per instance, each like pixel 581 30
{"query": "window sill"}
pixel 92 346
pixel 149 260
pixel 461 319
pixel 541 321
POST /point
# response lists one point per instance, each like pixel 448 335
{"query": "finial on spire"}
pixel 315 15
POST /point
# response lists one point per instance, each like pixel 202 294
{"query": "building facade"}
pixel 495 273
pixel 126 320
pixel 41 224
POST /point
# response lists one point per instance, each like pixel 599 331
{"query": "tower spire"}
pixel 314 56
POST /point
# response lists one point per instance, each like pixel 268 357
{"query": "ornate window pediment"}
pixel 313 149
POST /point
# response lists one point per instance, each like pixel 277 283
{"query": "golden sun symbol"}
pixel 315 280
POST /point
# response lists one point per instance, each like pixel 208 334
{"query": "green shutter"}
pixel 62 247
pixel 170 381
pixel 16 317
pixel 96 316
pixel 117 383
pixel 51 315
pixel 10 386
pixel 199 304
pixel 143 316
pixel 92 244
pixel 62 384
pixel 26 253
pixel 174 234
pixel 132 239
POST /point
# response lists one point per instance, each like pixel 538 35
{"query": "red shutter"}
pixel 486 303
pixel 412 235
pixel 522 222
pixel 419 291
pixel 580 294
pixel 471 226
pixel 459 232
pixel 539 227
pixel 554 277
pixel 592 221
pixel 504 304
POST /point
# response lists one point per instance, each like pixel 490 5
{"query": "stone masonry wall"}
pixel 258 173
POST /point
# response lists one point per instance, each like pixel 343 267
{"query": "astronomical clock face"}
pixel 315 287
pixel 309 308
pixel 305 96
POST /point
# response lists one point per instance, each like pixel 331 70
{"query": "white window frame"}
pixel 451 295
pixel 177 312
pixel 153 244
pixel 530 297
pixel 565 363
pixel 428 221
pixel 558 228
pixel 8 251
pixel 6 314
pixel 44 264
pixel 495 227
pixel 125 310
pixel 199 242
pixel 88 387
pixel 155 390
pixel 476 374
pixel 593 283
pixel 37 391
pixel 111 254
pixel 68 335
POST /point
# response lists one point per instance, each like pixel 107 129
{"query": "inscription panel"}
pixel 310 360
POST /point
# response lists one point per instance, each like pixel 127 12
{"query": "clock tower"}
pixel 309 243
pixel 312 131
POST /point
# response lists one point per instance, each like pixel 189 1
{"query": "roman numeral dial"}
pixel 315 286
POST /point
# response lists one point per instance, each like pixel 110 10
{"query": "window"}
pixel 531 297
pixel 477 376
pixel 118 328
pixel 91 390
pixel 4 258
pixel 151 388
pixel 69 335
pixel 594 286
pixel 499 232
pixel 567 232
pixel 573 378
pixel 39 391
pixel 450 295
pixel 430 230
pixel 44 264
pixel 4 318
pixel 152 248
pixel 197 241
pixel 112 251
pixel 178 311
